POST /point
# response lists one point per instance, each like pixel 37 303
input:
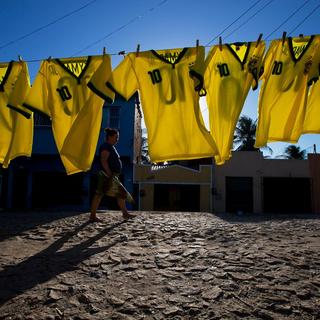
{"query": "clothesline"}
pixel 72 91
pixel 124 52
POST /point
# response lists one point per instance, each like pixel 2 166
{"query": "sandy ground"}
pixel 174 265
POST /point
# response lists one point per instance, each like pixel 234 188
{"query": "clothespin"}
pixel 284 37
pixel 121 53
pixel 301 35
pixel 259 39
pixel 197 44
pixel 19 58
pixel 49 58
pixel 104 50
pixel 138 50
pixel 220 43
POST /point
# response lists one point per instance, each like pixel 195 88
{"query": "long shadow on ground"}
pixel 15 280
pixel 15 223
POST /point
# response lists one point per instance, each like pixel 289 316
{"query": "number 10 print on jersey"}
pixel 60 91
pixel 230 71
pixel 288 67
pixel 169 100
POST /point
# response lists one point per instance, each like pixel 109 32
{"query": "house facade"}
pixel 246 183
pixel 40 182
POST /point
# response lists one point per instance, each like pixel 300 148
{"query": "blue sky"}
pixel 154 24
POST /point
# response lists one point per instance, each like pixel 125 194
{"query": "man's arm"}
pixel 104 162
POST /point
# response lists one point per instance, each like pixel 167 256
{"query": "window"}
pixel 114 117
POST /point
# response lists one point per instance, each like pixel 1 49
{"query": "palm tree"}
pixel 294 152
pixel 245 135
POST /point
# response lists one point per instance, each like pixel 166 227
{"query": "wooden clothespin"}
pixel 220 43
pixel 104 51
pixel 138 50
pixel 49 58
pixel 284 37
pixel 197 44
pixel 19 58
pixel 259 39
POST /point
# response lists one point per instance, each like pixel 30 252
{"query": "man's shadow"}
pixel 43 266
pixel 15 223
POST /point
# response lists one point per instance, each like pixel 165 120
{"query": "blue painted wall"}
pixel 24 176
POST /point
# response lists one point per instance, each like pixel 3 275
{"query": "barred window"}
pixel 40 120
pixel 114 117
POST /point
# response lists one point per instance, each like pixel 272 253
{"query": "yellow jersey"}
pixel 288 67
pixel 60 91
pixel 169 99
pixel 229 72
pixel 16 123
pixel 311 123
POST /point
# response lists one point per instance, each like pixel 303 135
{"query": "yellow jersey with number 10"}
pixel 288 67
pixel 230 71
pixel 60 91
pixel 311 123
pixel 169 100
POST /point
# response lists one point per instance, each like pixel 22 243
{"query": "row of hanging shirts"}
pixel 71 91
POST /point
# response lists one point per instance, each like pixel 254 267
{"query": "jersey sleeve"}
pixel 197 70
pixel 268 60
pixel 256 63
pixel 314 72
pixel 124 79
pixel 19 92
pixel 98 82
pixel 37 99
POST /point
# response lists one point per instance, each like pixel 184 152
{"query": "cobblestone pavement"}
pixel 159 266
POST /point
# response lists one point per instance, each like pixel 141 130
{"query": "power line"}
pixel 268 3
pixel 251 17
pixel 286 20
pixel 205 109
pixel 303 20
pixel 122 27
pixel 232 23
pixel 47 25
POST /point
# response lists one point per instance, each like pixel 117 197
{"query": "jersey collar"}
pixel 180 56
pixel 302 53
pixel 242 62
pixel 78 78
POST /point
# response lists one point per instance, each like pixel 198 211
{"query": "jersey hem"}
pixel 182 157
pixel 76 171
pixel 276 140
pixel 311 131
pixel 6 164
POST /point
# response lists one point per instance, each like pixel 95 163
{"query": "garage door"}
pixel 239 194
pixel 287 195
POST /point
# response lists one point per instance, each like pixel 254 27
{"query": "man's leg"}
pixel 123 208
pixel 94 206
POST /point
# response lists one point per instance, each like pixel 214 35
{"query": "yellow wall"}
pixel 147 176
